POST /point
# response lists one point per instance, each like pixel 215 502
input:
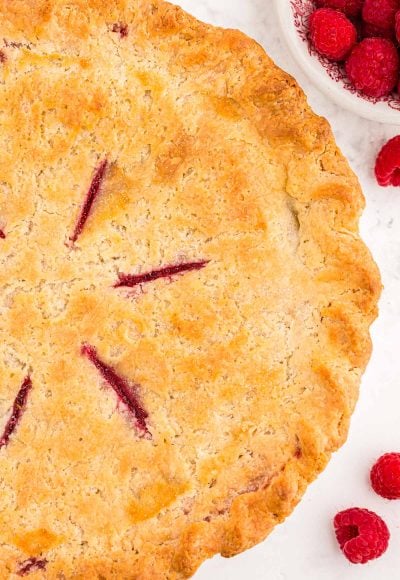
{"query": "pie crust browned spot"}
pixel 182 413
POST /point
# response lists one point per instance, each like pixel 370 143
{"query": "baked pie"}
pixel 185 298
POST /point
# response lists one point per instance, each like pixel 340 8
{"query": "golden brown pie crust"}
pixel 248 368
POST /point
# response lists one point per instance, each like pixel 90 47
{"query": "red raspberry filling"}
pixel 373 67
pixel 332 34
pixel 90 198
pixel 385 474
pixel 387 168
pixel 126 392
pixel 362 535
pixel 132 280
pixel 18 410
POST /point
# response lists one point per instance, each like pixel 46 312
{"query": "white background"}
pixel 304 546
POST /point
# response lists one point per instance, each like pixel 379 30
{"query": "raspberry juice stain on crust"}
pixel 18 409
pixel 91 196
pixel 124 391
pixel 121 29
pixel 2 235
pixel 132 280
pixel 31 565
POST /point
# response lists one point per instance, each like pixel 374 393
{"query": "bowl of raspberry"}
pixel 351 51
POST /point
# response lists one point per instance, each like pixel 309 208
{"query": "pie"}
pixel 185 302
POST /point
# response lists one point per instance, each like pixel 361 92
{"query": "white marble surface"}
pixel 304 547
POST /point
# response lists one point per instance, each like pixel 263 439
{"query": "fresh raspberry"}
pixel 385 474
pixel 349 7
pixel 380 13
pixel 362 535
pixel 397 25
pixel 372 31
pixel 373 67
pixel 387 168
pixel 331 33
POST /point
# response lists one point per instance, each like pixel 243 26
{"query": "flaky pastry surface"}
pixel 248 366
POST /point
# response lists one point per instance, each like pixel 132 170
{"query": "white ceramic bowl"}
pixel 293 15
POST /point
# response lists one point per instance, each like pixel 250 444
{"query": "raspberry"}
pixel 372 31
pixel 349 7
pixel 380 13
pixel 362 535
pixel 331 33
pixel 397 25
pixel 387 168
pixel 373 67
pixel 385 474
